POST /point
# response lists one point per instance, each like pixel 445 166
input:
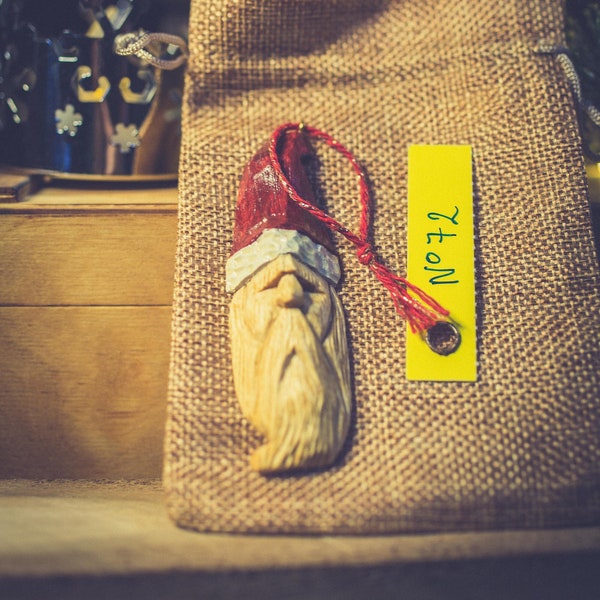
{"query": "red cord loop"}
pixel 419 309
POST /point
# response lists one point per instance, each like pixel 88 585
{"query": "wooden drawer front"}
pixel 83 391
pixel 81 257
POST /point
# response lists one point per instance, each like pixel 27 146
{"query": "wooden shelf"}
pixel 74 539
pixel 73 195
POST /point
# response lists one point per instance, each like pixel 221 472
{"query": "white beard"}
pixel 294 389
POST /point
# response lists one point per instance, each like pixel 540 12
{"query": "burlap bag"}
pixel 518 448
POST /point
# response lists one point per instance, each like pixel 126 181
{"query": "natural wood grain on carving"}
pixel 290 364
pixel 83 391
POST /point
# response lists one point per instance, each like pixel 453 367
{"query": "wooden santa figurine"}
pixel 288 337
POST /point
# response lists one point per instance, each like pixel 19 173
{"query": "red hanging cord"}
pixel 419 309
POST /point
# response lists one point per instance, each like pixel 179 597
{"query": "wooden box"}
pixel 85 308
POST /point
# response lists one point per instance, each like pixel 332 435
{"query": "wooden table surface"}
pixel 79 539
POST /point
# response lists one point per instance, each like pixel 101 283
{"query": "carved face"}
pixel 285 284
pixel 290 365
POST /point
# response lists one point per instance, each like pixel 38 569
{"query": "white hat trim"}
pixel 271 244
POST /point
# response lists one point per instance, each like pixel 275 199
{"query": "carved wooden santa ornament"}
pixel 288 338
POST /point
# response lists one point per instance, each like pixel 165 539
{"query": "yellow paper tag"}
pixel 441 256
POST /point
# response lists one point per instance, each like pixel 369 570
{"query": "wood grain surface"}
pixel 83 391
pixel 114 540
pixel 85 311
pixel 83 257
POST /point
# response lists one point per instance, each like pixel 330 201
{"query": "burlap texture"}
pixel 518 448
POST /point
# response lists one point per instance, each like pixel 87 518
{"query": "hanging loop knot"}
pixel 365 255
pixel 418 308
pixel 145 46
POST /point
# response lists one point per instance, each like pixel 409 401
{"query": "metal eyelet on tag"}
pixel 443 338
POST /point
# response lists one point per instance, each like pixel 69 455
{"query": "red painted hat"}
pixel 263 203
pixel 269 223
